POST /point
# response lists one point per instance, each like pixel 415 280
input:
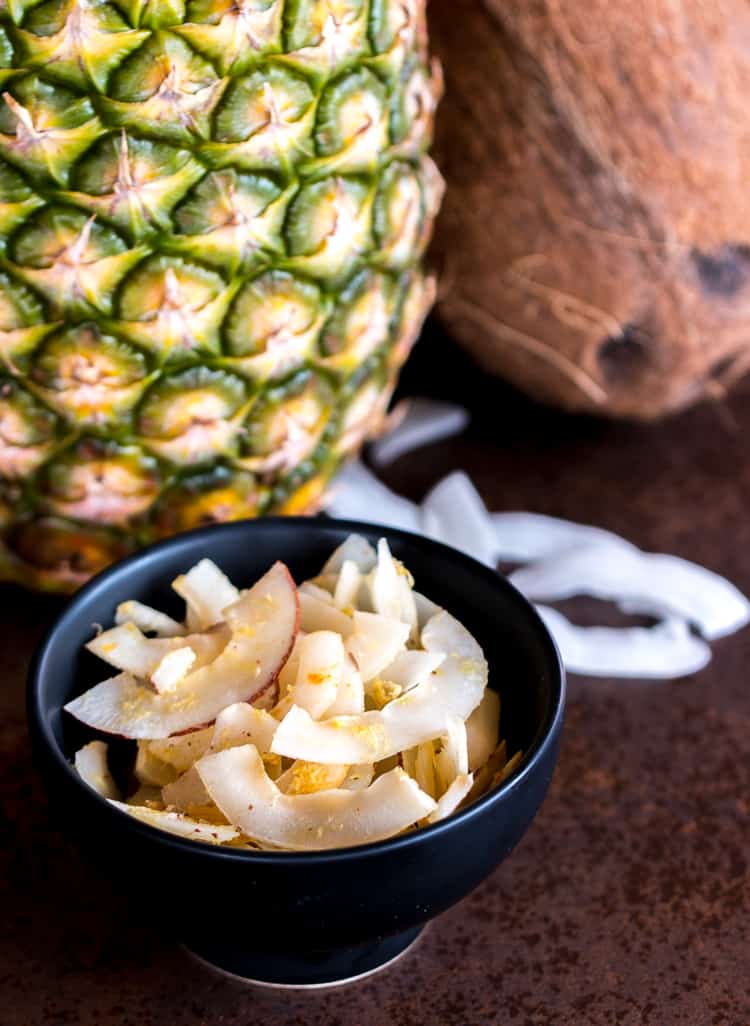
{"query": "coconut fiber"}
pixel 595 241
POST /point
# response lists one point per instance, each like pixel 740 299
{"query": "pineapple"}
pixel 212 216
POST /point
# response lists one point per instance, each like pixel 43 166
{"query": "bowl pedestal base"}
pixel 303 969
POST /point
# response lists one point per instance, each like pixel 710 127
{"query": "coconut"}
pixel 593 243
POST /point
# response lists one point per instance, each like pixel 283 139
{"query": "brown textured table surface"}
pixel 627 901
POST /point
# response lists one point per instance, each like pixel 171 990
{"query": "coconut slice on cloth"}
pixel 264 624
pixel 240 787
pixel 357 494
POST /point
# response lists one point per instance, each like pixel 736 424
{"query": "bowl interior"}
pixel 524 665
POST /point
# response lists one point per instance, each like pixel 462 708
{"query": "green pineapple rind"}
pixel 212 218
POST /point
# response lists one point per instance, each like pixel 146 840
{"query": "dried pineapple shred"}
pixel 379 717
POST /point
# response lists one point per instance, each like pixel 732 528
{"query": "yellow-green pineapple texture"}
pixel 212 217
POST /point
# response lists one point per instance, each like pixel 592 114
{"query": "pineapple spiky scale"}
pixel 212 218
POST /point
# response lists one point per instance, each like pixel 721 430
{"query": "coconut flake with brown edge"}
pixel 338 818
pixel 264 624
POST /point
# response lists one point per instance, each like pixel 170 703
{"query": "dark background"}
pixel 626 903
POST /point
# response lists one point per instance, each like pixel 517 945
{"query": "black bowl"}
pixel 304 918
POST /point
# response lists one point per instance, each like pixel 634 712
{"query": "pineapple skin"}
pixel 213 215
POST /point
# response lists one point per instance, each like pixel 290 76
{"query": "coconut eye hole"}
pixel 724 272
pixel 624 357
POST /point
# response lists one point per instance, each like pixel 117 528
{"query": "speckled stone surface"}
pixel 627 903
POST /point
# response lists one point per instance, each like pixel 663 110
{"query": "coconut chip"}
pixel 263 623
pixel 640 582
pixel 345 756
pixel 148 620
pixel 92 767
pixel 664 651
pixel 127 649
pixel 338 818
pixel 425 422
pixel 179 824
pixel 207 593
pixel 568 559
pixel 455 688
pixel 452 798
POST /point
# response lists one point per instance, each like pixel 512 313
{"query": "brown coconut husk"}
pixel 595 238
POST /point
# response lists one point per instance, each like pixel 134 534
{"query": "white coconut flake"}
pixel 375 642
pixel 525 537
pixel 425 422
pixel 319 615
pixel 264 625
pixel 148 619
pixel 569 559
pixel 207 592
pixel 390 589
pixel 355 549
pixel 350 695
pixel 243 724
pixel 453 758
pixel 185 793
pixel 665 651
pixel 127 649
pixel 452 798
pixel 92 766
pixel 454 514
pixel 426 608
pixel 643 583
pixel 454 689
pixel 483 730
pixel 321 666
pixel 410 668
pixel 173 668
pixel 348 585
pixel 177 823
pixel 240 787
pixel 358 495
pixel 181 752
